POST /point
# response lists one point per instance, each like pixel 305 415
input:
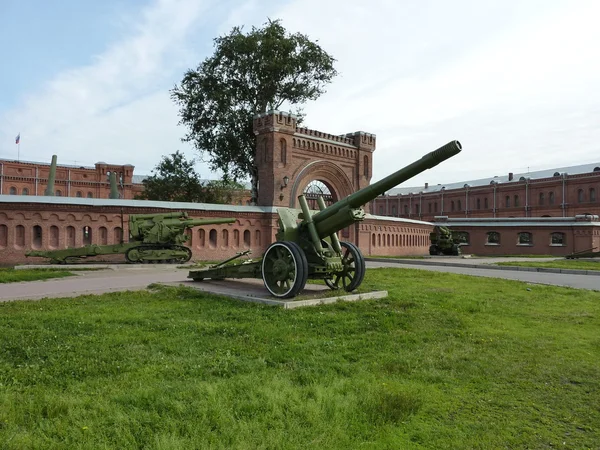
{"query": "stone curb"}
pixel 485 266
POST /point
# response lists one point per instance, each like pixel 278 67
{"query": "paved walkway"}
pixel 134 277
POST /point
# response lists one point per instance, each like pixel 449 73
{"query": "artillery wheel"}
pixel 284 269
pixel 354 269
pixel 132 255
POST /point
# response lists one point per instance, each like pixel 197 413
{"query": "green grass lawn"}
pixel 446 361
pixel 10 275
pixel 557 264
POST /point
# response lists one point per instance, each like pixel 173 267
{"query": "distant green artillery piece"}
pixel 307 244
pixel 153 238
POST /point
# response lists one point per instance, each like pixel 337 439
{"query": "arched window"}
pixel 257 237
pixel 90 195
pixel 525 238
pixel 225 238
pixel 551 198
pixel 580 197
pixel 366 166
pixel 394 210
pixel 373 239
pixel 36 237
pixel 58 193
pixel 485 203
pixel 557 239
pixel 516 200
pixel 201 238
pixel 212 238
pixel 283 146
pixel 87 235
pixel 459 205
pixel 25 191
pixel 247 238
pixel 507 201
pixel 435 207
pixel 236 238
pixel 103 235
pixel 79 194
pixel 53 237
pixel 406 210
pixel 381 210
pixel 478 203
pixel 429 207
pixel 452 205
pixel 541 201
pixel 417 209
pixel 592 195
pixel 493 238
pixel 12 191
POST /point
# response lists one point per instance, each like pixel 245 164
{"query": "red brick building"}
pixel 563 192
pixel 31 178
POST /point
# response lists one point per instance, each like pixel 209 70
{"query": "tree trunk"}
pixel 254 187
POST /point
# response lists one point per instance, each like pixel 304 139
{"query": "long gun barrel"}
pixel 344 213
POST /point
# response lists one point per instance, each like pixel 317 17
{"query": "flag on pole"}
pixel 18 138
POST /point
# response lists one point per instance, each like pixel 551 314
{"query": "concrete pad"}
pixel 253 290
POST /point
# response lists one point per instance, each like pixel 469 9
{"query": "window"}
pixel 525 238
pixel 551 198
pixel 417 209
pixel 478 203
pixel 366 166
pixel 485 203
pixel 452 205
pixel 541 201
pixel 79 194
pixel 459 206
pixel 283 151
pixel 406 210
pixel 516 201
pixel 507 201
pixel 435 207
pixel 36 241
pixel 429 207
pixel 462 237
pixel 212 238
pixel 592 195
pixel 247 238
pixel 557 239
pixel 381 210
pixel 58 193
pixel 493 238
pixel 580 197
pixel 87 235
pixel 90 195
pixel 12 191
pixel 394 210
pixel 225 238
pixel 25 191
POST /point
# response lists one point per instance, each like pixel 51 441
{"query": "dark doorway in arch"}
pixel 316 189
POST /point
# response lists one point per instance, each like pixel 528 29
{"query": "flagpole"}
pixel 19 151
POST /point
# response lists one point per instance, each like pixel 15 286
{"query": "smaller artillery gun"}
pixel 444 242
pixel 307 245
pixel 153 238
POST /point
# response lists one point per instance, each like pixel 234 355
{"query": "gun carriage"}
pixel 153 238
pixel 307 245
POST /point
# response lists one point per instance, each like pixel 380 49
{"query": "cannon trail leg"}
pixel 354 269
pixel 284 269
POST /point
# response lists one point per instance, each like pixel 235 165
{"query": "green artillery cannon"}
pixel 443 242
pixel 156 238
pixel 307 244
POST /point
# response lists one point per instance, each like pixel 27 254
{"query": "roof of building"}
pixel 133 203
pixel 546 173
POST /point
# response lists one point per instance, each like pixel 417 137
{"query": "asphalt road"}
pixel 124 277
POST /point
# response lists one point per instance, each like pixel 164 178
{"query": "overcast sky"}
pixel 516 81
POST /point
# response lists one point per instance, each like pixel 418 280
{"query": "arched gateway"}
pixel 291 159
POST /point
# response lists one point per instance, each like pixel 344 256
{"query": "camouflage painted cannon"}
pixel 156 238
pixel 444 242
pixel 307 243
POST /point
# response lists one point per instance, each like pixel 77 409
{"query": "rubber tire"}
pixel 300 265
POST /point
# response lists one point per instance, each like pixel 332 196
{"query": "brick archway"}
pixel 288 157
pixel 326 171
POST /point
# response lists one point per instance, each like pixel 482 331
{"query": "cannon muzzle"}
pixel 344 213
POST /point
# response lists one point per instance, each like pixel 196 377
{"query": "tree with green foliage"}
pixel 248 74
pixel 174 179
